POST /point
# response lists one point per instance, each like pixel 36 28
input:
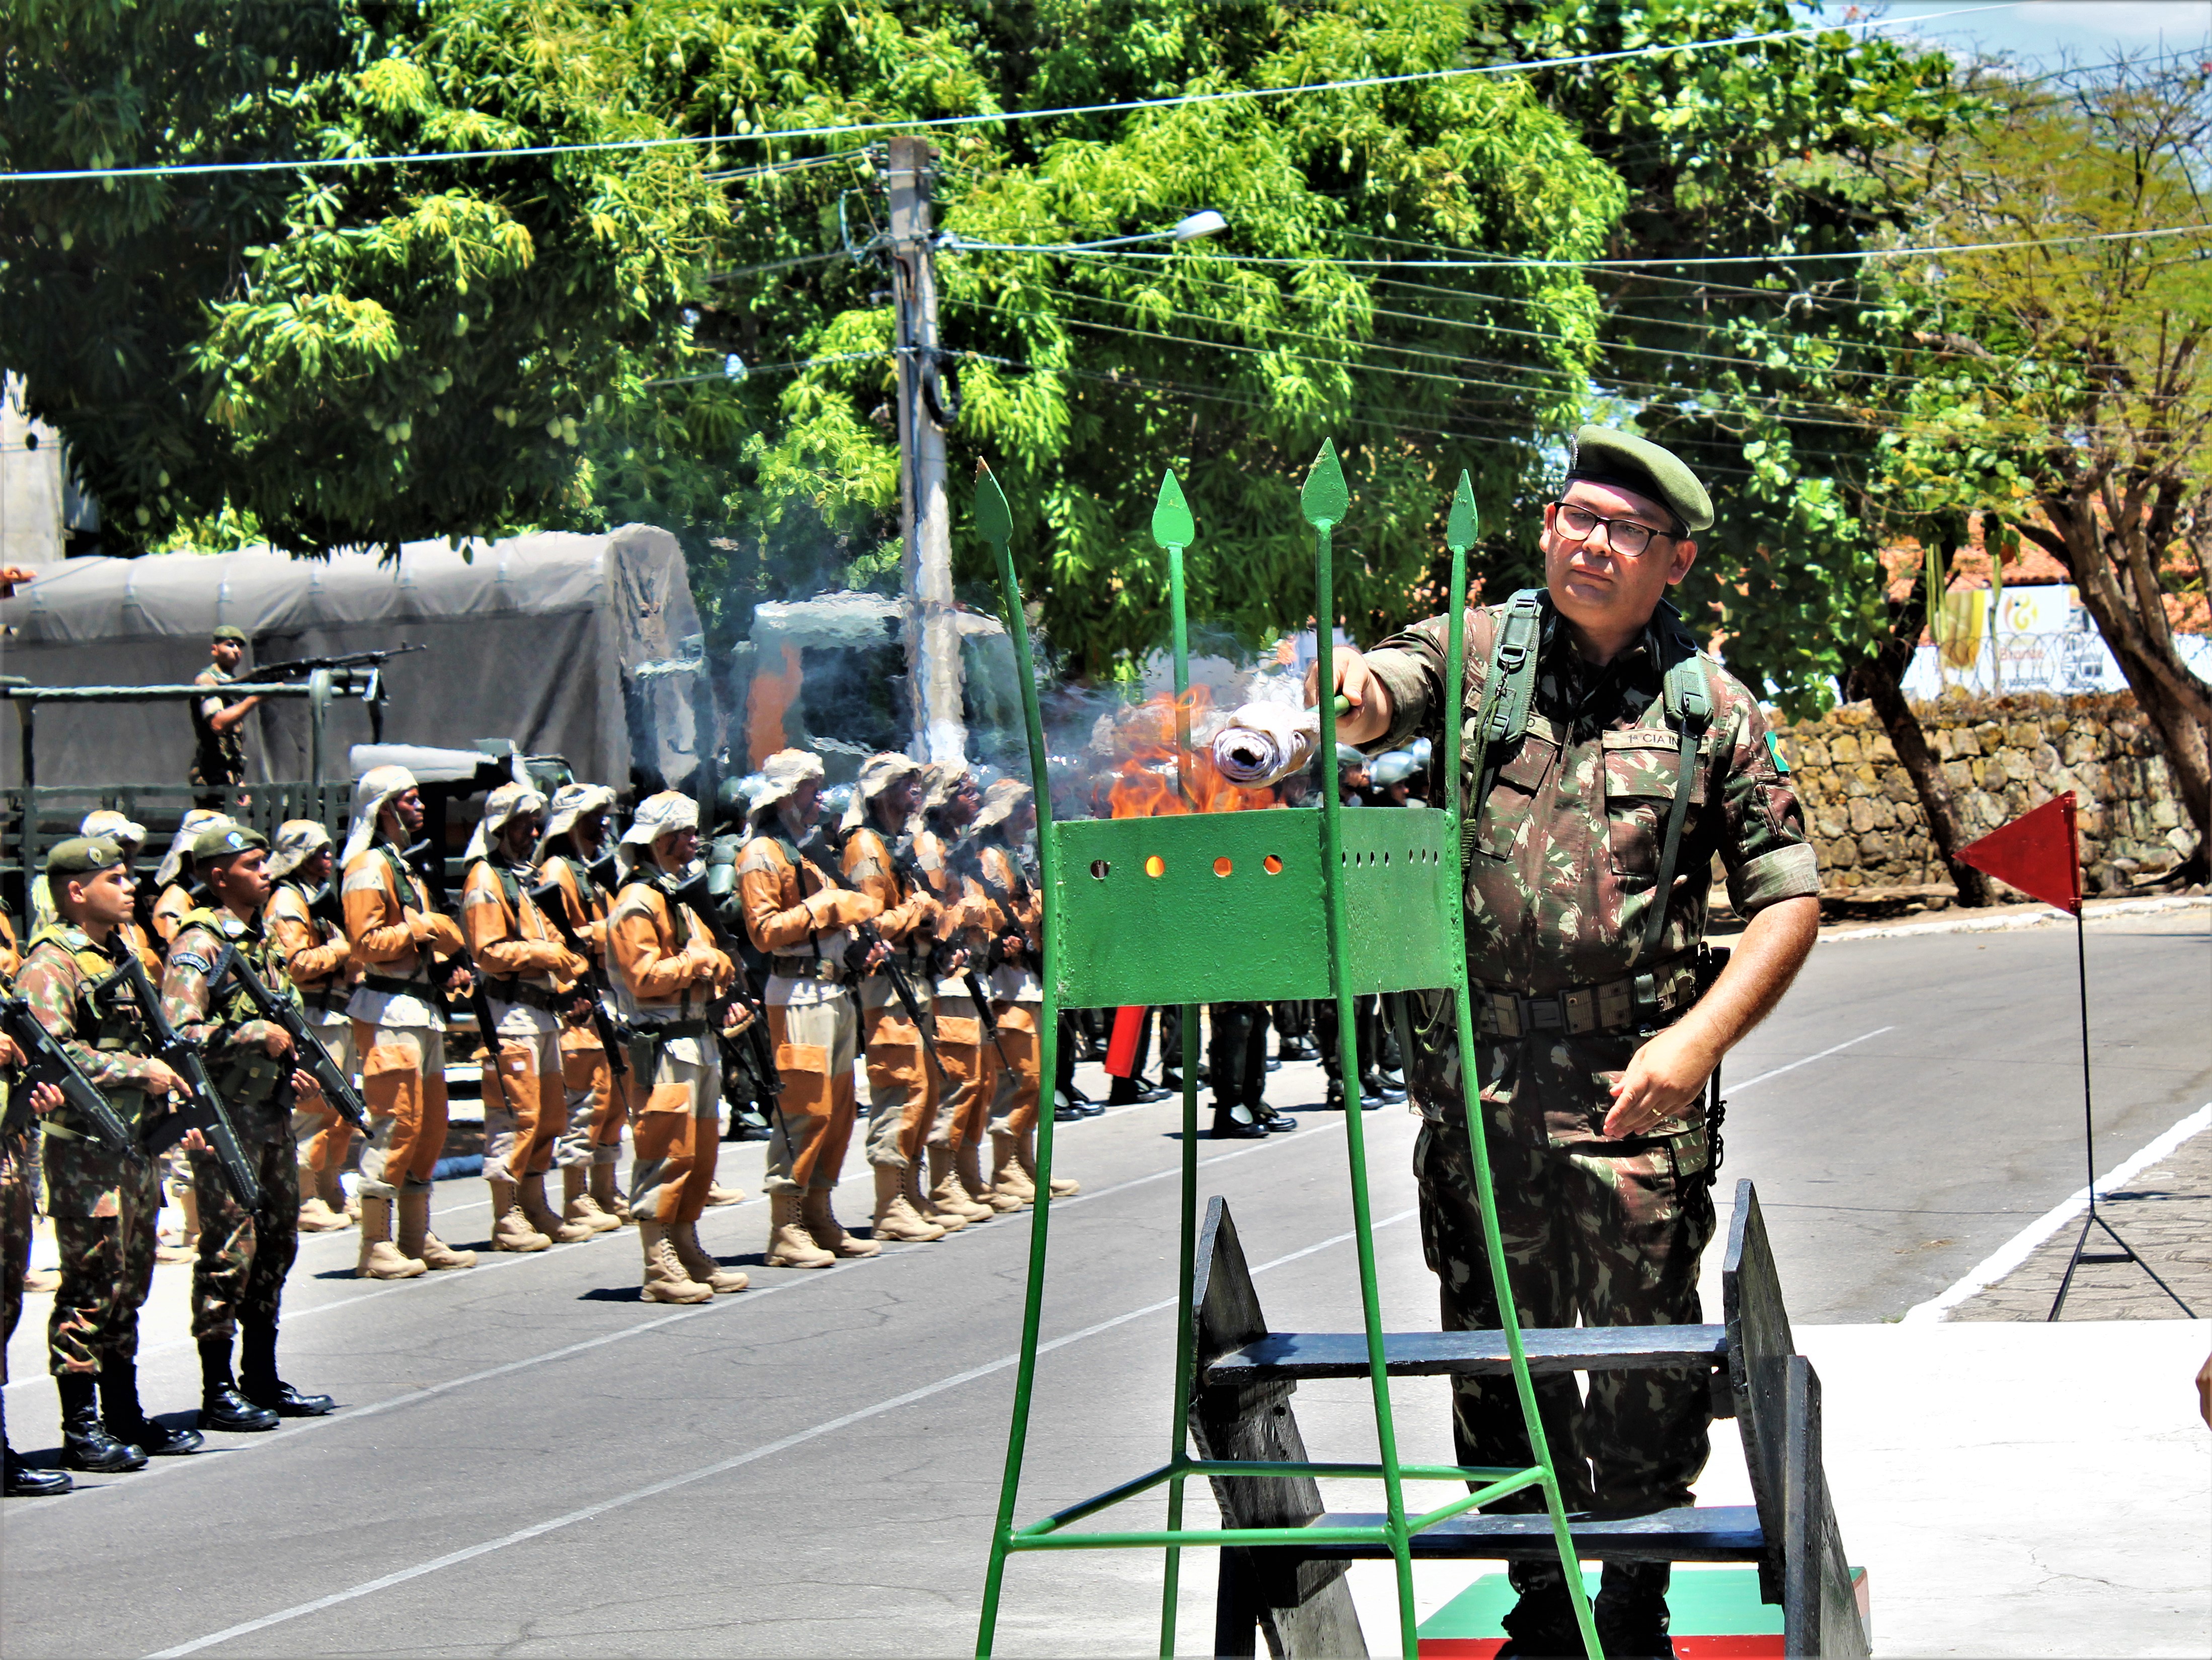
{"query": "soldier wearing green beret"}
pixel 1621 760
pixel 104 1208
pixel 238 1276
pixel 219 722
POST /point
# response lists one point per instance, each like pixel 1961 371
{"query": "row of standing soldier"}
pixel 910 933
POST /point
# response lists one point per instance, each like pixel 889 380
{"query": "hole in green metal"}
pixel 1271 864
pixel 1099 868
pixel 1155 866
pixel 1222 866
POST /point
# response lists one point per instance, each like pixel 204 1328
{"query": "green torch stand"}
pixel 1321 904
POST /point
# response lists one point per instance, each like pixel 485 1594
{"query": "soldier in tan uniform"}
pixel 172 877
pixel 319 958
pixel 799 914
pixel 1006 821
pixel 575 831
pixel 529 978
pixel 668 974
pixel 950 804
pixel 901 1088
pixel 399 1026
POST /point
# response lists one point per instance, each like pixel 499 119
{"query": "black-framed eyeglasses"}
pixel 1625 537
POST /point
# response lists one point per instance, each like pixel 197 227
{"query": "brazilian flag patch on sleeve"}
pixel 1774 749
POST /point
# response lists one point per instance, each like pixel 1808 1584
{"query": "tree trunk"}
pixel 2176 702
pixel 1880 679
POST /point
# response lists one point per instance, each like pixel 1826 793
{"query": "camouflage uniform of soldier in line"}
pixel 238 1282
pixel 1593 1043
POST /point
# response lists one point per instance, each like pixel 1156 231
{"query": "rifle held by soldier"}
pixel 202 1109
pixel 552 902
pixel 45 1062
pixel 308 1053
pixel 757 1053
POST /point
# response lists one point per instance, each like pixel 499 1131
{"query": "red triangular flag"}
pixel 2035 853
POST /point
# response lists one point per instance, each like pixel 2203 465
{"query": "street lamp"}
pixel 1189 228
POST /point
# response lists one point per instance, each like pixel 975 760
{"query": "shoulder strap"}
pixel 1687 700
pixel 1507 691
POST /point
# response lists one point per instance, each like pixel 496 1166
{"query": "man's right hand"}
pixel 160 1081
pixel 1368 718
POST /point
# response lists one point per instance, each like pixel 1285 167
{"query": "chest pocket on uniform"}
pixel 1641 768
pixel 1505 816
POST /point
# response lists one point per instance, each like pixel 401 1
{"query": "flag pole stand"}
pixel 2082 1254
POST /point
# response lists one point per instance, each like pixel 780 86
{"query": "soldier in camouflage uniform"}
pixel 238 1281
pixel 104 1208
pixel 1593 1043
pixel 218 722
pixel 16 1151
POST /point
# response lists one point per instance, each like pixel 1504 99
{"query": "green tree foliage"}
pixel 351 355
pixel 2061 383
pixel 1081 375
pixel 1748 336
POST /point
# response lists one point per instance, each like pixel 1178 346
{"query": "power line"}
pixel 1125 107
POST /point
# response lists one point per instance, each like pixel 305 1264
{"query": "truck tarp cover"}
pixel 538 638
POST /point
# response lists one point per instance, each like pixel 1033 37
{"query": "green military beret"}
pixel 82 855
pixel 225 842
pixel 230 631
pixel 1605 456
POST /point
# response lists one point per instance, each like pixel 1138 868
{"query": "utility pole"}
pixel 932 633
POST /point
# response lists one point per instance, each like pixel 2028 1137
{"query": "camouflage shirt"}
pixel 107 1040
pixel 218 757
pixel 1563 867
pixel 230 1032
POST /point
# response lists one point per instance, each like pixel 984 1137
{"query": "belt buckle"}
pixel 1542 1014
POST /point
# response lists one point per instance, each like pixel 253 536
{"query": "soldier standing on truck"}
pixel 219 722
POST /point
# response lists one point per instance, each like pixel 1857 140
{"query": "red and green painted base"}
pixel 1715 1615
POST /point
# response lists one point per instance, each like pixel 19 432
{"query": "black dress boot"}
pixel 85 1443
pixel 222 1407
pixel 1542 1624
pixel 1233 1122
pixel 118 1405
pixel 1631 1611
pixel 258 1383
pixel 23 1481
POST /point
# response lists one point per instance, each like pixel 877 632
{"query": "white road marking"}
pixel 1837 1049
pixel 721 1467
pixel 2018 1249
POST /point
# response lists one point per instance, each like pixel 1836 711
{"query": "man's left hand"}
pixel 1664 1077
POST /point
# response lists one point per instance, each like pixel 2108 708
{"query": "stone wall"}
pixel 2002 756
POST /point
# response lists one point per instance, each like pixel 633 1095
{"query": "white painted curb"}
pixel 2094 911
pixel 2018 1249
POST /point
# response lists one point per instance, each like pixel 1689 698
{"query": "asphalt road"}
pixel 533 1462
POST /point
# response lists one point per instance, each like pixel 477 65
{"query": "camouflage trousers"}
pixel 107 1252
pixel 1602 1233
pixel 244 1256
pixel 14 1235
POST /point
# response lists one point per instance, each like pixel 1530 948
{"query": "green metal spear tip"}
pixel 1459 532
pixel 994 520
pixel 1325 498
pixel 1172 526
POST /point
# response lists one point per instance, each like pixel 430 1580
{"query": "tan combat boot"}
pixel 923 1206
pixel 1007 1176
pixel 945 1193
pixel 896 1217
pixel 717 1195
pixel 577 1205
pixel 379 1258
pixel 828 1232
pixel 789 1244
pixel 316 1217
pixel 1063 1186
pixel 666 1281
pixel 510 1228
pixel 968 1163
pixel 416 1240
pixel 540 1215
pixel 702 1267
pixel 608 1197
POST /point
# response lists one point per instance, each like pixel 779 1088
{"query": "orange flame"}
pixel 1144 783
